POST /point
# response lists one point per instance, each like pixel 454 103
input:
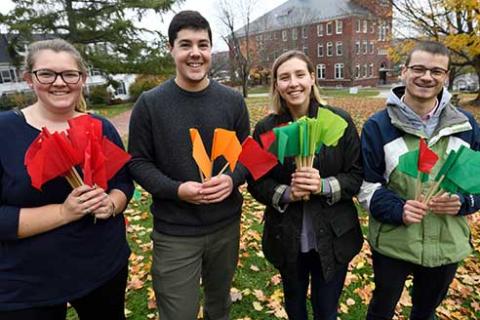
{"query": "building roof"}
pixel 6 39
pixel 4 55
pixel 302 12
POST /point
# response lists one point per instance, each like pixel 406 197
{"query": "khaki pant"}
pixel 179 263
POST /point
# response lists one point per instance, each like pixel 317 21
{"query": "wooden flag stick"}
pixel 418 186
pixel 433 189
pixel 223 169
pixel 201 175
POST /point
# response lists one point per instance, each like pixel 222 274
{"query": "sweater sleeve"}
pixel 141 146
pixel 9 218
pixel 384 204
pixel 242 128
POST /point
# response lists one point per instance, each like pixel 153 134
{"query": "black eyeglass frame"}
pixel 425 69
pixel 80 73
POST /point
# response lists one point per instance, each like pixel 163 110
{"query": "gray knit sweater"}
pixel 159 142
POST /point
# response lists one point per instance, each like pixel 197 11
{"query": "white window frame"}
pixel 304 32
pixel 321 71
pixel 339 70
pixel 6 76
pixel 371 46
pixel 357 71
pixel 339 48
pixel 284 35
pixel 365 47
pixel 329 49
pixel 320 30
pixel 338 26
pixel 329 28
pixel 358 47
pixel 365 70
pixel 365 26
pixel 358 25
pixel 370 70
pixel 294 34
pixel 305 50
pixel 320 51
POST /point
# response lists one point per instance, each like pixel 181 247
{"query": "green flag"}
pixel 331 127
pixel 408 164
pixel 287 140
pixel 465 171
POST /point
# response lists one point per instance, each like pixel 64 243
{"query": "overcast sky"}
pixel 208 8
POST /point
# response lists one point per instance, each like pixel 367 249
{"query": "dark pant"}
pixel 430 286
pixel 324 294
pixel 105 302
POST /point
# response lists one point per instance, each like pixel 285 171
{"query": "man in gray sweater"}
pixel 196 225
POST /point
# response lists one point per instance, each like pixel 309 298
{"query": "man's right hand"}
pixel 413 212
pixel 189 191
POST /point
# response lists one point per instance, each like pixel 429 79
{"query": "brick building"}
pixel 347 40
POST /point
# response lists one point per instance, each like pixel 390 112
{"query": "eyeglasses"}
pixel 420 71
pixel 46 76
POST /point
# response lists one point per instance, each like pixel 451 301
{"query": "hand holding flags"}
pixel 418 164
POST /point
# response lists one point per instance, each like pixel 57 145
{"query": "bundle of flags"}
pixel 225 143
pixel 303 138
pixel 300 139
pixel 457 174
pixel 57 154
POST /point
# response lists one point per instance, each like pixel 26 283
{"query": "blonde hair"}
pixel 278 104
pixel 57 45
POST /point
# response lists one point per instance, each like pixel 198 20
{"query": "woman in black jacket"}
pixel 311 223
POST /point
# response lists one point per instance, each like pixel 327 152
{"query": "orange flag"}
pixel 199 153
pixel 225 143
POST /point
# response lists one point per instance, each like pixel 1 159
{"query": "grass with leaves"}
pixel 256 290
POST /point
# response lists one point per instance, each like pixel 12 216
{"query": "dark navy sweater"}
pixel 62 264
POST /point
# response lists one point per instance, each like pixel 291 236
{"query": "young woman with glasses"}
pixel 51 251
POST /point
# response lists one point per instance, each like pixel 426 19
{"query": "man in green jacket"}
pixel 410 237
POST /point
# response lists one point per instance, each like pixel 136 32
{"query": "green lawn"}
pixel 110 110
pixel 256 288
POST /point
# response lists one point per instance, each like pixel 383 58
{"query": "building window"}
pixel 294 34
pixel 329 49
pixel 284 35
pixel 320 30
pixel 305 50
pixel 329 28
pixel 121 88
pixel 364 73
pixel 275 36
pixel 357 71
pixel 94 72
pixel 371 47
pixel 304 32
pixel 357 47
pixel 365 47
pixel 357 25
pixel 339 47
pixel 268 36
pixel 320 71
pixel 259 38
pixel 7 75
pixel 338 26
pixel 372 27
pixel 320 50
pixel 365 26
pixel 338 70
pixel 370 70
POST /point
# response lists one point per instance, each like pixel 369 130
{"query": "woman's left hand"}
pixel 104 208
pixel 307 179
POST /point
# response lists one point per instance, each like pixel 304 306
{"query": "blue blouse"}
pixel 67 262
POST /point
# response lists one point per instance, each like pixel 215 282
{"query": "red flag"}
pixel 116 157
pixel 255 159
pixel 267 139
pixel 426 157
pixel 81 128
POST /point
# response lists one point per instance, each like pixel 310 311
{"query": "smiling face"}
pixel 192 52
pixel 294 84
pixel 424 88
pixel 57 96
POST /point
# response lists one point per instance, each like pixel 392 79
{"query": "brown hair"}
pixel 278 104
pixel 57 45
pixel 433 47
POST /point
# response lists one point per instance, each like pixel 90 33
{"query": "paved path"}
pixel 121 121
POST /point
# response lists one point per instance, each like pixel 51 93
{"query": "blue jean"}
pixel 324 294
pixel 430 286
